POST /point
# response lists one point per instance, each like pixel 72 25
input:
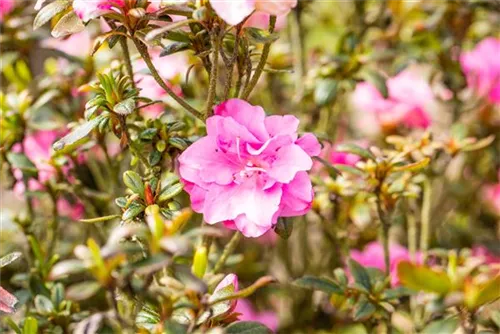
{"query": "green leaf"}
pixel 363 310
pixel 349 169
pixel 476 296
pixel 178 143
pixel 155 33
pixel 174 48
pixel 99 219
pixel 121 202
pixel 69 24
pixel 247 327
pixel 355 149
pixel 154 157
pixel 321 284
pixel 360 274
pixel 65 268
pixel 284 227
pixel 422 278
pixel 148 134
pixel 260 35
pixel 20 161
pixel 83 290
pixel 445 326
pixel 125 107
pixel 45 98
pixel 170 192
pixel 77 135
pixel 396 293
pixel 133 181
pixel 45 14
pixel 413 167
pixel 13 325
pixel 9 258
pixel 116 37
pixel 325 91
pixel 133 211
pixel 43 305
pixel 30 326
pixel 172 327
pixel 57 294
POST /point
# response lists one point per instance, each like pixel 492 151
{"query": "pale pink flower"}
pixel 76 45
pixel 7 301
pixel 482 69
pixel 235 11
pixel 227 286
pixel 373 256
pixel 38 148
pixel 491 196
pixel 249 313
pixel 261 20
pixel 484 253
pixel 407 104
pixel 6 6
pixel 171 68
pixel 91 9
pixel 250 169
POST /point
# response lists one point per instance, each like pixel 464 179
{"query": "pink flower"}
pixel 76 45
pixel 407 103
pixel 235 11
pixel 171 68
pixel 7 301
pixel 6 6
pixel 248 313
pixel 484 253
pixel 91 9
pixel 482 69
pixel 491 196
pixel 226 287
pixel 373 256
pixel 38 148
pixel 250 169
pixel 261 20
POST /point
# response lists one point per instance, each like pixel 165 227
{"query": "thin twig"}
pixel 147 59
pixel 229 75
pixel 228 250
pixel 425 218
pixel 215 38
pixel 262 62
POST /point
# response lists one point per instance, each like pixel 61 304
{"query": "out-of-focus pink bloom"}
pixel 6 6
pixel 227 286
pixel 7 301
pixel 37 147
pixel 491 196
pixel 482 69
pixel 483 252
pixel 250 169
pixel 261 20
pixel 406 104
pixel 170 68
pixel 235 11
pixel 343 158
pixel 248 313
pixel 373 256
pixel 76 45
pixel 91 9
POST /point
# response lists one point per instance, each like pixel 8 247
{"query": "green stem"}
pixel 412 235
pixel 385 236
pixel 262 62
pixel 128 61
pixel 147 59
pixel 229 75
pixel 425 218
pixel 228 250
pixel 54 224
pixel 297 36
pixel 212 88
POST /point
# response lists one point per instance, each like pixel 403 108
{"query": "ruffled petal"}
pixel 289 160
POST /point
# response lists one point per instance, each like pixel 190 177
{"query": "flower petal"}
pixel 282 125
pixel 290 160
pixel 310 144
pixel 297 196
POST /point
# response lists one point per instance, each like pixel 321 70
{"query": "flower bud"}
pixel 200 262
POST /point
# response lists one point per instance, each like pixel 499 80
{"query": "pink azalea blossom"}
pixel 91 9
pixel 227 286
pixel 38 147
pixel 235 11
pixel 482 69
pixel 171 68
pixel 261 20
pixel 373 256
pixel 483 252
pixel 76 45
pixel 407 103
pixel 491 196
pixel 7 301
pixel 6 6
pixel 250 169
pixel 249 313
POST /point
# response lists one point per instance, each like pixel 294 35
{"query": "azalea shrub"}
pixel 250 166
